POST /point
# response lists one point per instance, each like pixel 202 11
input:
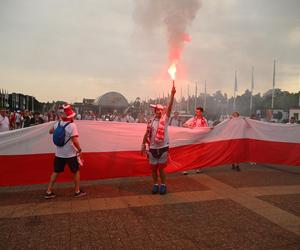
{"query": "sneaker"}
pixel 79 194
pixel 198 171
pixel 155 188
pixel 184 172
pixel 233 166
pixel 49 195
pixel 163 189
pixel 238 168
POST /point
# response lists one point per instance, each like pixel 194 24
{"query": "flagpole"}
pixel 1 98
pixel 252 87
pixel 204 105
pixel 180 107
pixel 272 104
pixel 299 89
pixel 196 96
pixel 188 97
pixel 234 92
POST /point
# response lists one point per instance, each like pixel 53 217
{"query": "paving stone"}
pixel 289 203
pixel 257 176
pixel 152 222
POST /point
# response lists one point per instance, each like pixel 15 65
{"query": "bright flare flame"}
pixel 172 70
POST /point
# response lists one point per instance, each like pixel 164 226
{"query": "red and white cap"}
pixel 157 106
pixel 68 111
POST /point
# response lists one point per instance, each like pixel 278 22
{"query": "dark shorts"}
pixel 59 164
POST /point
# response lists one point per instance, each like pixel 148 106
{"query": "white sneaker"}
pixel 184 172
pixel 198 171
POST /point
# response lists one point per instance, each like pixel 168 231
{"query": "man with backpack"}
pixel 68 151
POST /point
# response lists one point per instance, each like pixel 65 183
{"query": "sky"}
pixel 74 49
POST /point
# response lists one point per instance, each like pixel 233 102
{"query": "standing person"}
pixel 292 120
pixel 67 152
pixel 253 117
pixel 12 120
pixel 157 138
pixel 36 119
pixel 18 120
pixel 4 121
pixel 27 119
pixel 198 121
pixel 175 120
pixel 235 166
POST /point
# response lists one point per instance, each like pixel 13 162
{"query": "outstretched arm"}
pixel 169 109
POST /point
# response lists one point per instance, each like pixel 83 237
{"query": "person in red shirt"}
pixel 198 121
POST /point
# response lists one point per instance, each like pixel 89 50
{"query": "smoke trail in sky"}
pixel 175 15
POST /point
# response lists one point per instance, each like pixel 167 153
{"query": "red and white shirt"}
pixel 195 122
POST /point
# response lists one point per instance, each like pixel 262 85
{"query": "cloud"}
pixel 96 46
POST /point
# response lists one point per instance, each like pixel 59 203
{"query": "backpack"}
pixel 59 135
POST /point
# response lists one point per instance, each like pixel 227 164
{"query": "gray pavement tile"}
pixel 108 190
pixel 215 224
pixel 288 247
pixel 257 176
pixel 289 203
pixel 219 224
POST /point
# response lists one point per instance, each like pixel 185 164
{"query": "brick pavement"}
pixel 219 209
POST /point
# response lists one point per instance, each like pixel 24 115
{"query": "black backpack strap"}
pixel 65 128
pixel 66 124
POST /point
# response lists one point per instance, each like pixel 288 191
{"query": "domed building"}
pixel 110 102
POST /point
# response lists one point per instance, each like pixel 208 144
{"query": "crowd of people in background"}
pixel 10 120
pixel 22 119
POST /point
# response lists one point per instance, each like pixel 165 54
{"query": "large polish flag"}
pixel 112 149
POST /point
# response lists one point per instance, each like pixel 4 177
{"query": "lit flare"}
pixel 172 71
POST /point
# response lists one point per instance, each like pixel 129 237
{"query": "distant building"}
pixel 295 112
pixel 276 115
pixel 110 102
pixel 88 101
pixel 85 107
pixel 18 101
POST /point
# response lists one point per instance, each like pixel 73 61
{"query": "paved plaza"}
pixel 257 208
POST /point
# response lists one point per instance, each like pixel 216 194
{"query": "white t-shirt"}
pixel 68 150
pixel 18 118
pixel 4 123
pixel 165 142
